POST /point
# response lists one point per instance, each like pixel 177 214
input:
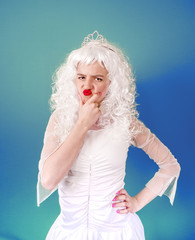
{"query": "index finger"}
pixel 94 98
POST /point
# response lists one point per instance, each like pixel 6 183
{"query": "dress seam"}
pixel 89 189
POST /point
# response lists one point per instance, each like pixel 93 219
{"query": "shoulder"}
pixel 52 122
pixel 53 118
pixel 140 132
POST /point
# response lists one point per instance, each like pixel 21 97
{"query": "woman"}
pixel 94 121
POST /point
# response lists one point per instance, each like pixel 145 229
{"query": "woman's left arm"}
pixel 164 180
pixel 133 204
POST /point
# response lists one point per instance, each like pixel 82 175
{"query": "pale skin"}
pixel 93 77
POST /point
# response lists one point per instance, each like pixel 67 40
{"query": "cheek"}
pixel 105 88
pixel 102 89
pixel 78 86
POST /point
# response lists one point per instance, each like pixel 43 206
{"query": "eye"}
pixel 99 79
pixel 81 77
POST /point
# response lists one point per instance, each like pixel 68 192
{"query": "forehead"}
pixel 92 69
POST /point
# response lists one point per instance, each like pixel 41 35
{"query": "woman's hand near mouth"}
pixel 89 111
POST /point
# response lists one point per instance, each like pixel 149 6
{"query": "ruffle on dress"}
pixel 131 231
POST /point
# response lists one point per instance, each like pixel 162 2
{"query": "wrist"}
pixel 81 126
pixel 137 204
pixel 144 197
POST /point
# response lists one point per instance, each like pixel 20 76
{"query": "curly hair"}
pixel 118 107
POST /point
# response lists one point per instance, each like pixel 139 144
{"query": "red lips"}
pixel 87 92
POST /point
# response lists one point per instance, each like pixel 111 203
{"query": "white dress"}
pixel 86 193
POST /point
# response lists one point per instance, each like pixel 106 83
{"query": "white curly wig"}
pixel 118 107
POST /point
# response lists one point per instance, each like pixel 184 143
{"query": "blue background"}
pixel 35 37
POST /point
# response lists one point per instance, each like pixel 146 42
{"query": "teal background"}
pixel 35 37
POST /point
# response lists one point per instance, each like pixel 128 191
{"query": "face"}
pixel 92 79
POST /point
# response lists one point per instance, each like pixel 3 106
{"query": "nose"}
pixel 88 83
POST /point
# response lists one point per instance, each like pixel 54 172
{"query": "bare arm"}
pixel 59 163
pixel 133 204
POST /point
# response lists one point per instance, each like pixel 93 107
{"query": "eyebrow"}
pixel 96 75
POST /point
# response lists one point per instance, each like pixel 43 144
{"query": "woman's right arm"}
pixel 57 165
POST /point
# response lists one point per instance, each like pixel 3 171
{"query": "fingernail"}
pixel 100 93
pixel 118 192
pixel 113 204
pixel 118 211
pixel 113 199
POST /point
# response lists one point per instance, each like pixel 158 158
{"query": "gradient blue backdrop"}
pixel 35 37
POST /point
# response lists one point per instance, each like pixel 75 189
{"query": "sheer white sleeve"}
pixel 165 179
pixel 50 144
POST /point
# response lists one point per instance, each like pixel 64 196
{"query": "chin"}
pixel 85 98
